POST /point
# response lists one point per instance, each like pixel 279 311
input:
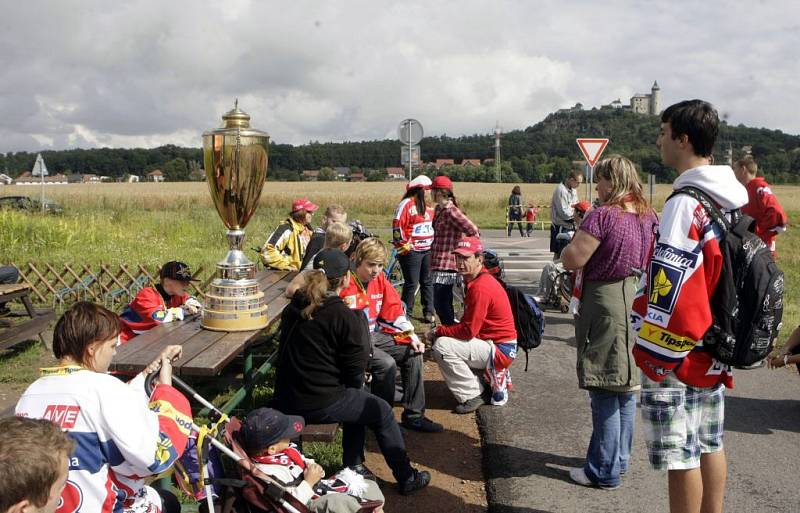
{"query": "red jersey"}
pixel 382 306
pixel 530 214
pixel 763 206
pixel 147 310
pixel 487 313
pixel 411 230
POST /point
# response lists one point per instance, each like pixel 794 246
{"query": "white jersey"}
pixel 119 438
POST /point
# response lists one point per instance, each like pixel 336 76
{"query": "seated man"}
pixel 286 247
pixel 34 456
pixel 167 302
pixel 394 343
pixel 485 338
pixel 333 214
pixel 267 436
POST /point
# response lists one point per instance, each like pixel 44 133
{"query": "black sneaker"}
pixel 418 480
pixel 422 424
pixel 470 405
pixel 363 471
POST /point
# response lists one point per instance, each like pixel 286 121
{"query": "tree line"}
pixel 544 152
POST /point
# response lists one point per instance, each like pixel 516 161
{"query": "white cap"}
pixel 420 181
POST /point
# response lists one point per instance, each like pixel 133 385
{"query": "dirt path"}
pixel 452 457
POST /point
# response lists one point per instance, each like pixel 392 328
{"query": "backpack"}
pixel 528 319
pixel 747 305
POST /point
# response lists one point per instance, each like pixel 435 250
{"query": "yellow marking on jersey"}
pixel 661 286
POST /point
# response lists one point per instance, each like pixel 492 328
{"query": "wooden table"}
pixel 38 322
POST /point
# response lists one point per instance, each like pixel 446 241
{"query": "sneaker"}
pixel 428 318
pixel 422 424
pixel 419 479
pixel 363 471
pixel 469 405
pixel 578 475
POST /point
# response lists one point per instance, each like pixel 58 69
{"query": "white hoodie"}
pixel 719 182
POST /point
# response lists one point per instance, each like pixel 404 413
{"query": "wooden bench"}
pixel 38 320
pixel 319 433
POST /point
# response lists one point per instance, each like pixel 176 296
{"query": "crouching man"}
pixel 484 340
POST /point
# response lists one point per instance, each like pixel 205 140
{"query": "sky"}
pixel 146 73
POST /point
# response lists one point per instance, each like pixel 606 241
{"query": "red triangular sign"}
pixel 592 149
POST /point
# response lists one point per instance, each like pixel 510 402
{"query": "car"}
pixel 29 204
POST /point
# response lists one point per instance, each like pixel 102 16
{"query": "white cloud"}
pixel 146 73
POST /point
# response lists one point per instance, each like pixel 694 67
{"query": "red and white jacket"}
pixel 763 206
pixel 147 310
pixel 382 306
pixel 672 310
pixel 411 230
pixel 121 436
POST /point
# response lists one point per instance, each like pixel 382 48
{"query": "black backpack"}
pixel 747 305
pixel 528 319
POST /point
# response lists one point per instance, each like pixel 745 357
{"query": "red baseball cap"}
pixel 442 182
pixel 303 204
pixel 469 246
pixel 584 206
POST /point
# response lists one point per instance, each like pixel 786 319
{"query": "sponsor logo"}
pixel 349 301
pixel 422 229
pixel 159 315
pixel 71 498
pixel 666 339
pixel 62 415
pixel 675 256
pixel 164 451
pixel 655 317
pixel 397 234
pixel 165 409
pixel 665 284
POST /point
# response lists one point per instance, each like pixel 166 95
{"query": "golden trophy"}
pixel 235 160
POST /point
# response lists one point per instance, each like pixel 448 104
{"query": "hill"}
pixel 542 152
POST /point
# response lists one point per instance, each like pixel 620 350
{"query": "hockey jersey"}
pixel 763 206
pixel 120 438
pixel 412 230
pixel 672 310
pixel 149 309
pixel 381 304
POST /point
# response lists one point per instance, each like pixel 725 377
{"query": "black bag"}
pixel 747 305
pixel 528 319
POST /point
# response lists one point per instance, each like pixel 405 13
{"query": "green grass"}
pixel 788 247
pixel 20 365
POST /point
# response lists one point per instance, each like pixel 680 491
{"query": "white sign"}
pixel 592 149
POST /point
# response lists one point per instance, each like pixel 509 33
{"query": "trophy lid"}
pixel 238 121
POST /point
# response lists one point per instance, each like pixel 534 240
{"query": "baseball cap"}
pixel 176 271
pixel 442 182
pixel 333 262
pixel 265 426
pixel 421 181
pixel 583 206
pixel 303 204
pixel 469 246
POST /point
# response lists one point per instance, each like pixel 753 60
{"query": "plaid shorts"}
pixel 681 422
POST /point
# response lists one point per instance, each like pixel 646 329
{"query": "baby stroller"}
pixel 253 491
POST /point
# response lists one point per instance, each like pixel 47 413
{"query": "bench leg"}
pixel 26 301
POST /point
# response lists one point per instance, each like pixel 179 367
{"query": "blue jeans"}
pixel 613 419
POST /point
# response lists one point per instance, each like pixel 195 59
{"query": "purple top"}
pixel 625 242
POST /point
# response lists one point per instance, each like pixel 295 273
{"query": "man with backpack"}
pixel 485 338
pixel 683 383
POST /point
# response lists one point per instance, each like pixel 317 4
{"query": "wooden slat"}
pixel 319 432
pixel 8 288
pixel 211 361
pixel 196 345
pixel 156 337
pixel 26 330
pixel 149 352
pixel 266 279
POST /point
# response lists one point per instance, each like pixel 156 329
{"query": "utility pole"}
pixel 497 171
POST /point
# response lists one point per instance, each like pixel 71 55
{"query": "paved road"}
pixel 530 443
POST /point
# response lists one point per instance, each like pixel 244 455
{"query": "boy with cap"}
pixel 167 302
pixel 267 436
pixel 484 339
pixel 285 248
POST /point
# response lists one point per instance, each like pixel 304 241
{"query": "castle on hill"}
pixel 640 103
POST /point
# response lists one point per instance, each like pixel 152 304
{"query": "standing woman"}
pixel 450 225
pixel 515 210
pixel 412 235
pixel 609 251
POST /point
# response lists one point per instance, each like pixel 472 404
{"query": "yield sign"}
pixel 592 149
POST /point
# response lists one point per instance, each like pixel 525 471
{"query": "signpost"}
pixel 39 169
pixel 591 149
pixel 651 184
pixel 410 134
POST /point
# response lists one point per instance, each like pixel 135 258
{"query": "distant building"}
pixel 342 172
pixel 155 175
pixel 747 149
pixel 5 179
pixel 471 162
pixel 27 178
pixel 133 178
pixel 575 108
pixel 439 163
pixel 395 173
pixel 312 175
pixel 90 178
pixel 647 103
pixel 357 176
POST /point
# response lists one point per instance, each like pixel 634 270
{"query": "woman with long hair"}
pixel 515 210
pixel 322 359
pixel 412 235
pixel 609 252
pixel 450 225
pixel 122 436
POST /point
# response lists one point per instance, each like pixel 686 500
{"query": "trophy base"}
pixel 234 305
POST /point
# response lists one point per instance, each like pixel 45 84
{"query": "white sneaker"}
pixel 499 398
pixel 579 476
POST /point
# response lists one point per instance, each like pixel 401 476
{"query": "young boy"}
pixel 266 435
pixel 530 217
pixel 167 302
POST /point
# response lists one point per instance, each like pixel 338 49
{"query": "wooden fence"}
pixel 111 285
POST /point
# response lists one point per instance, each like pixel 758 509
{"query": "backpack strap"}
pixel 708 205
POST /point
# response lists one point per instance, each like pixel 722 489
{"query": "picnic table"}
pixel 36 323
pixel 206 352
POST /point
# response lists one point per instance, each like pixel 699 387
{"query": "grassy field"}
pixel 148 223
